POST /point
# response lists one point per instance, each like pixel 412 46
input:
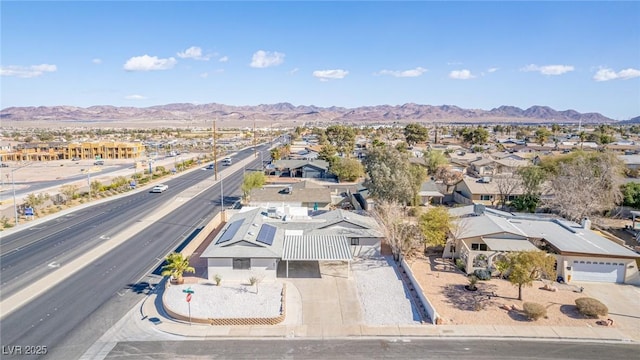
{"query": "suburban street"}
pixel 382 348
pixel 69 317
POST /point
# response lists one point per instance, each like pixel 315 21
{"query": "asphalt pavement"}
pixel 52 319
pixel 379 348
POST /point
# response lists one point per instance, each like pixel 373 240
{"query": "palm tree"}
pixel 177 265
pixel 583 137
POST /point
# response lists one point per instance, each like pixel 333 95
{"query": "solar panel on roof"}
pixel 231 231
pixel 266 234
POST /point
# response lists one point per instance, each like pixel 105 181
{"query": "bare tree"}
pixel 585 186
pixel 507 186
pixel 403 237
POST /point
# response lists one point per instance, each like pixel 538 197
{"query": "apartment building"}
pixel 62 150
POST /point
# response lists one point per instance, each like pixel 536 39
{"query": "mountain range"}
pixel 286 111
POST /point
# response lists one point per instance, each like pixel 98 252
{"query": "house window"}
pixel 479 247
pixel 241 264
pixel 355 241
pixel 486 197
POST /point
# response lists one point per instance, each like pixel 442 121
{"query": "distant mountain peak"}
pixel 285 111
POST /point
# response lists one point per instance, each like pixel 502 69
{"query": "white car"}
pixel 160 188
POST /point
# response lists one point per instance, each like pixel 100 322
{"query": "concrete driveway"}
pixel 329 300
pixel 623 301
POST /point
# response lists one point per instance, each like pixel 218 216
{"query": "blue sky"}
pixel 568 55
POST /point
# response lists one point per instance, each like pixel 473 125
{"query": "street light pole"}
pixel 13 186
pixel 15 205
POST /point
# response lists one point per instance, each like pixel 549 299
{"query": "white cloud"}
pixel 492 70
pixel 405 73
pixel 264 59
pixel 135 97
pixel 548 69
pixel 204 75
pixel 293 71
pixel 148 63
pixel 461 74
pixel 194 53
pixel 97 61
pixel 606 74
pixel 326 75
pixel 224 59
pixel 27 71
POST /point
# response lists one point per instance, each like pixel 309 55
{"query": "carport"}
pixel 316 248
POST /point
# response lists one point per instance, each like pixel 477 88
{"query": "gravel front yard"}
pixel 444 286
pixel 231 301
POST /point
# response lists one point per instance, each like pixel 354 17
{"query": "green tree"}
pixel 328 153
pixel 275 154
pixel 480 136
pixel 631 192
pixel 342 137
pixel 402 147
pixel 434 160
pixel 252 180
pixel 177 265
pixel 347 169
pixel 388 175
pixel 526 202
pixel 415 133
pixel 532 178
pixel 527 266
pixel 435 224
pixel 542 135
pixel 417 176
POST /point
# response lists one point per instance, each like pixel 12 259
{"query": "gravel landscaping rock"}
pixel 227 301
pixel 384 298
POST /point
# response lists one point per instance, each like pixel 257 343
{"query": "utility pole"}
pixel 215 157
pixel 255 153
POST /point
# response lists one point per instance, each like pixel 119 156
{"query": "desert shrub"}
pixel 482 274
pixel 460 264
pixel 591 307
pixel 413 211
pixel 534 311
pixel 217 279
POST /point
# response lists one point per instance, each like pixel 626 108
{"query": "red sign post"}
pixel 189 303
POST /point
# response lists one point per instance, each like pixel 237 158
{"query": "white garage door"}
pixel 585 270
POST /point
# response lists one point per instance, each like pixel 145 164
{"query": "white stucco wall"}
pixel 261 268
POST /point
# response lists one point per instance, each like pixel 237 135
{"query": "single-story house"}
pixel 318 169
pixel 430 193
pixel 486 190
pixel 484 235
pixel 256 240
pixel 301 194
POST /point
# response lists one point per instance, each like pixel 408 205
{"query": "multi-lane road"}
pixel 70 316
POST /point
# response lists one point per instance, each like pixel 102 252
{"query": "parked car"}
pixel 75 159
pixel 160 188
pixel 4 165
pixel 99 162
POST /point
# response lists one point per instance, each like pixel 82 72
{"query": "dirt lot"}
pixel 444 285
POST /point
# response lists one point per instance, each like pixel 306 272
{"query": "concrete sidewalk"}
pixel 152 316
